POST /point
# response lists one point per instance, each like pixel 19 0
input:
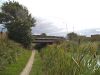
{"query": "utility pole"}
pixel 73 28
pixel 66 31
pixel 66 28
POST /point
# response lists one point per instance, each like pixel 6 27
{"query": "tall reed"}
pixel 70 58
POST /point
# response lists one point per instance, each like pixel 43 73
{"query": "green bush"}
pixel 9 51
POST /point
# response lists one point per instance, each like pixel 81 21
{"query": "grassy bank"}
pixel 67 58
pixel 70 58
pixel 37 65
pixel 13 57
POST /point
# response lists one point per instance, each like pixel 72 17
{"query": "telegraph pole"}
pixel 66 31
pixel 67 28
pixel 73 28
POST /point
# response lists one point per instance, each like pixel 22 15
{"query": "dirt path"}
pixel 28 66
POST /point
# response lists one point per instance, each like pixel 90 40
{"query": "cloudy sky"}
pixel 59 16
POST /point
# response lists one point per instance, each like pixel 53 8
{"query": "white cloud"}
pixel 79 12
pixel 83 14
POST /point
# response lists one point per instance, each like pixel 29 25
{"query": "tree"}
pixel 18 22
pixel 72 36
pixel 43 34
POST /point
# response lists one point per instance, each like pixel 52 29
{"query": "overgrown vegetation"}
pixel 70 59
pixel 13 57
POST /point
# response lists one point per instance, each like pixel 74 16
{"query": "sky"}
pixel 62 16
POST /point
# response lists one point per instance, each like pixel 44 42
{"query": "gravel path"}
pixel 28 66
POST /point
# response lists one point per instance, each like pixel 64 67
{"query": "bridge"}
pixel 47 39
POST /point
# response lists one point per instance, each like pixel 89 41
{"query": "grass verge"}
pixel 16 68
pixel 37 65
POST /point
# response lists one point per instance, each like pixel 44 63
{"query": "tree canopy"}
pixel 72 36
pixel 43 34
pixel 18 22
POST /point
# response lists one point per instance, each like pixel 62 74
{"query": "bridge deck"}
pixel 44 41
pixel 47 39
